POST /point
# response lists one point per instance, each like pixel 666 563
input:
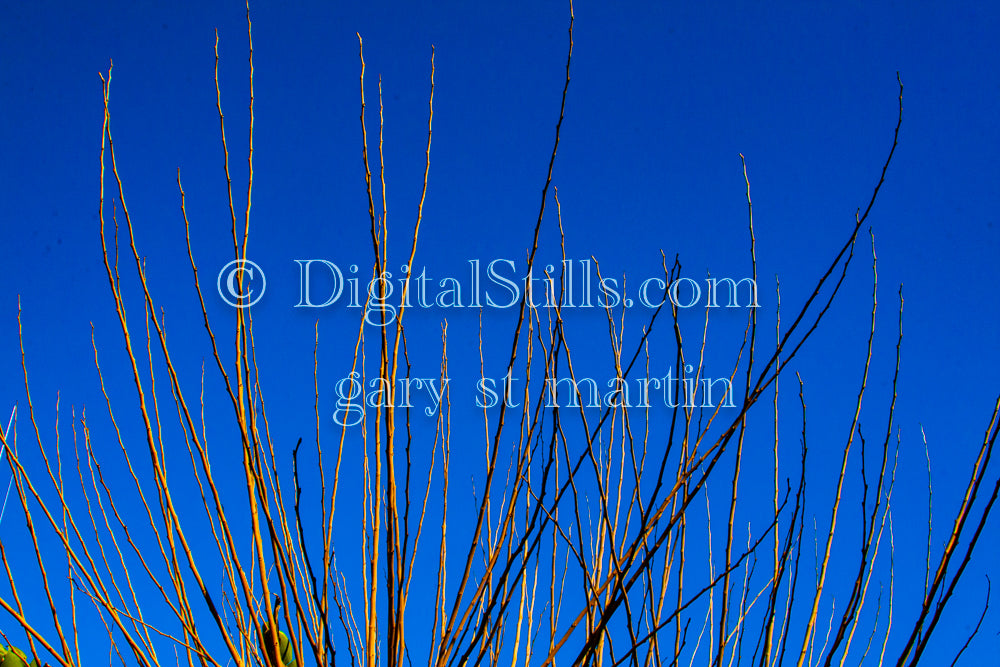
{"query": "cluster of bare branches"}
pixel 590 540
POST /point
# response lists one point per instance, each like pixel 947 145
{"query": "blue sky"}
pixel 662 102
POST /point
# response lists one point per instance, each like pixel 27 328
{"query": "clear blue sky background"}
pixel 662 102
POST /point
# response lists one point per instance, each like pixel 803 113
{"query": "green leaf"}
pixel 14 657
pixel 286 652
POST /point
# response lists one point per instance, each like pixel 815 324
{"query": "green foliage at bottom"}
pixel 286 652
pixel 15 657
